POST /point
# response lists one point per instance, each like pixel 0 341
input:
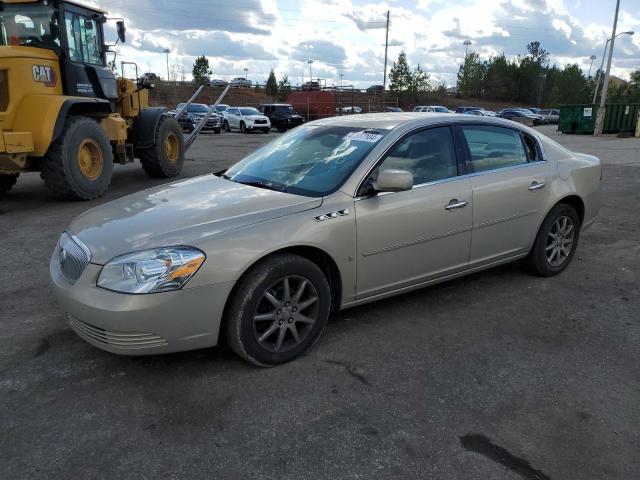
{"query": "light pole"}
pixel 310 76
pixel 592 58
pixel 246 75
pixel 341 75
pixel 167 52
pixel 466 44
pixel 604 54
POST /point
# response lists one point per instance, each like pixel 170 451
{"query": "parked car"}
pixel 534 110
pixel 281 115
pixel 542 120
pixel 393 109
pixel 194 114
pixel 375 89
pixel 335 213
pixel 245 119
pixel 552 115
pixel 240 82
pixel 350 109
pixel 221 107
pixel 310 86
pixel 466 109
pixel 519 113
pixel 431 108
pixel 217 83
pixel 481 112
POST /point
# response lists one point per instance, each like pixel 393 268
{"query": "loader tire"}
pixel 79 163
pixel 7 181
pixel 165 157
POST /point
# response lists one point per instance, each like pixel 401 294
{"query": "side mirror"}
pixel 121 29
pixel 393 181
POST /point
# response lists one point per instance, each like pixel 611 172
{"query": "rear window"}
pixel 494 147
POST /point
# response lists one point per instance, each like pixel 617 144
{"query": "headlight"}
pixel 151 271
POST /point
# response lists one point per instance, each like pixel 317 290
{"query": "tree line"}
pixel 529 79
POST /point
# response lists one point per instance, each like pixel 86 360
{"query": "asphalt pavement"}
pixel 499 375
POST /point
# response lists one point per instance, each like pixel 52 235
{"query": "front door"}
pixel 405 238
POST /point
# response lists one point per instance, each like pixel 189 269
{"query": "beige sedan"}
pixel 335 213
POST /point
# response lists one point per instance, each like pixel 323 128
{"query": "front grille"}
pixel 122 340
pixel 260 122
pixel 73 257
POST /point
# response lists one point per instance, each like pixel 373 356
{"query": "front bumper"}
pixel 258 126
pixel 140 324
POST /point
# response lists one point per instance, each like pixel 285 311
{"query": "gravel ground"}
pixel 499 375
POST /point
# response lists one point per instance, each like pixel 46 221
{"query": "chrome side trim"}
pixel 415 242
pixel 505 219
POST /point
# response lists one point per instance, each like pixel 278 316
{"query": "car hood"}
pixel 180 213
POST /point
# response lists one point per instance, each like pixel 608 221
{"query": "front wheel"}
pixel 556 242
pixel 165 157
pixel 226 126
pixel 243 128
pixel 7 181
pixel 217 131
pixel 265 130
pixel 279 310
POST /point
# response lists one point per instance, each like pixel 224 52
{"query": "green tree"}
pixel 419 80
pixel 570 86
pixel 284 88
pixel 400 77
pixel 201 71
pixel 500 79
pixel 272 85
pixel 471 76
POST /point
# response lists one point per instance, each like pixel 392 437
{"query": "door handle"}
pixel 536 186
pixel 454 204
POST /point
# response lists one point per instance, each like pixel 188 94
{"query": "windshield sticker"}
pixel 363 137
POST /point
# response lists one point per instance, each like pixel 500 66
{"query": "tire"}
pixel 546 257
pixel 265 130
pixel 282 129
pixel 165 157
pixel 226 126
pixel 79 163
pixel 243 128
pixel 7 181
pixel 217 131
pixel 244 334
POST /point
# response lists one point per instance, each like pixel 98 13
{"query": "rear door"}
pixel 510 182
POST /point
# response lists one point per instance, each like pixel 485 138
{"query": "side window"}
pixel 429 155
pixel 532 148
pixel 494 147
pixel 90 41
pixel 73 36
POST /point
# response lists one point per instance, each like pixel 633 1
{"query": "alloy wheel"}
pixel 286 314
pixel 560 241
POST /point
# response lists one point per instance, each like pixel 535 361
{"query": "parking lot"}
pixel 499 375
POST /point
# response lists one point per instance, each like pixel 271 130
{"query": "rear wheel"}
pixel 7 181
pixel 279 310
pixel 556 242
pixel 79 163
pixel 165 158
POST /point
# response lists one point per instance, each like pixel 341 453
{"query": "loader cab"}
pixel 74 32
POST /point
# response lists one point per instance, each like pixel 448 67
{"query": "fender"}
pixel 143 132
pixel 44 116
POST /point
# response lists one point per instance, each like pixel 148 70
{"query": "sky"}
pixel 347 36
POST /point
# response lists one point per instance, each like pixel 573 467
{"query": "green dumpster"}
pixel 577 118
pixel 621 117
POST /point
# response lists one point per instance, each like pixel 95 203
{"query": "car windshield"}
pixel 284 109
pixel 313 160
pixel 198 108
pixel 222 108
pixel 440 109
pixel 28 25
pixel 249 111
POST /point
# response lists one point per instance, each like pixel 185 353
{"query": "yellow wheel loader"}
pixel 63 111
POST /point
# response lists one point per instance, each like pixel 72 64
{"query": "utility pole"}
pixel 310 76
pixel 466 44
pixel 603 98
pixel 341 75
pixel 167 51
pixel 386 49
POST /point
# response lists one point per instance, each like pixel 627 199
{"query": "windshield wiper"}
pixel 265 185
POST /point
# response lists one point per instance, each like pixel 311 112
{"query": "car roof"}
pixel 390 121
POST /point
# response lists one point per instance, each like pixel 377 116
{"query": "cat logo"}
pixel 44 74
